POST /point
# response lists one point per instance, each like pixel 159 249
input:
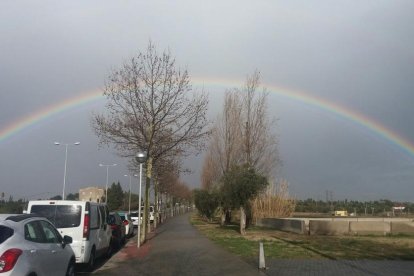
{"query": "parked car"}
pixel 129 227
pixel 118 229
pixel 134 217
pixel 84 221
pixel 31 245
pixel 151 214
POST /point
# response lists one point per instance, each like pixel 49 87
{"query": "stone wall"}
pixel 343 226
pixel 321 227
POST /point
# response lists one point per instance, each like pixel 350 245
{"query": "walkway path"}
pixel 177 248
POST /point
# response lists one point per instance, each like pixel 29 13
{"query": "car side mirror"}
pixel 66 240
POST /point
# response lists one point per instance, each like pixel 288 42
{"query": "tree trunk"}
pixel 145 216
pixel 228 216
pixel 223 217
pixel 248 212
pixel 242 221
pixel 156 207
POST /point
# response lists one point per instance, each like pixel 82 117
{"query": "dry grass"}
pixel 275 202
pixel 284 245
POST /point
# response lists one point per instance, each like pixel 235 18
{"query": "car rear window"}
pixel 134 214
pixel 122 217
pixel 111 219
pixel 5 233
pixel 62 216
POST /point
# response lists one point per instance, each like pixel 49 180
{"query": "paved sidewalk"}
pixel 176 248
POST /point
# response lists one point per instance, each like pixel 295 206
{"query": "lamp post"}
pixel 107 174
pixel 140 157
pixel 129 203
pixel 66 161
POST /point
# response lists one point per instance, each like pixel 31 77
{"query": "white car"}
pixel 85 221
pixel 134 218
pixel 127 221
pixel 31 245
pixel 134 215
pixel 151 214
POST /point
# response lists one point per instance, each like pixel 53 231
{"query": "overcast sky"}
pixel 356 54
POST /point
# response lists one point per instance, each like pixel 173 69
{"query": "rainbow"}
pixel 353 116
pixel 22 123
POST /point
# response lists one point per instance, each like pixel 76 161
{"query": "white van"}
pixel 85 222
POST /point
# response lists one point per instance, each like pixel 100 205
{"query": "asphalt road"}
pixel 176 248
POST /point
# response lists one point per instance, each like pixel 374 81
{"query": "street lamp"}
pixel 106 187
pixel 66 161
pixel 130 179
pixel 140 158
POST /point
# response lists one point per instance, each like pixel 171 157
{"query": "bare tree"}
pixel 244 131
pixel 259 142
pixel 210 172
pixel 225 146
pixel 242 135
pixel 228 145
pixel 151 107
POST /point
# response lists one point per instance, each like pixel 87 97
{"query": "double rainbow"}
pixel 353 116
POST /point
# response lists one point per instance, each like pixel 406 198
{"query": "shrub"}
pixel 206 203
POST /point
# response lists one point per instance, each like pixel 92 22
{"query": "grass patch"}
pixel 294 246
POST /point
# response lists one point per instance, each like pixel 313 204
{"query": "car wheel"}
pixel 90 265
pixel 71 269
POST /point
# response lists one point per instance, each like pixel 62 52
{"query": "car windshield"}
pixel 134 214
pixel 5 233
pixel 62 216
pixel 122 217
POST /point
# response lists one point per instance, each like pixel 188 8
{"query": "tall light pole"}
pixel 66 161
pixel 107 174
pixel 140 157
pixel 129 203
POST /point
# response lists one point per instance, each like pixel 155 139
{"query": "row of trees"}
pixel 151 108
pixel 119 199
pixel 242 155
